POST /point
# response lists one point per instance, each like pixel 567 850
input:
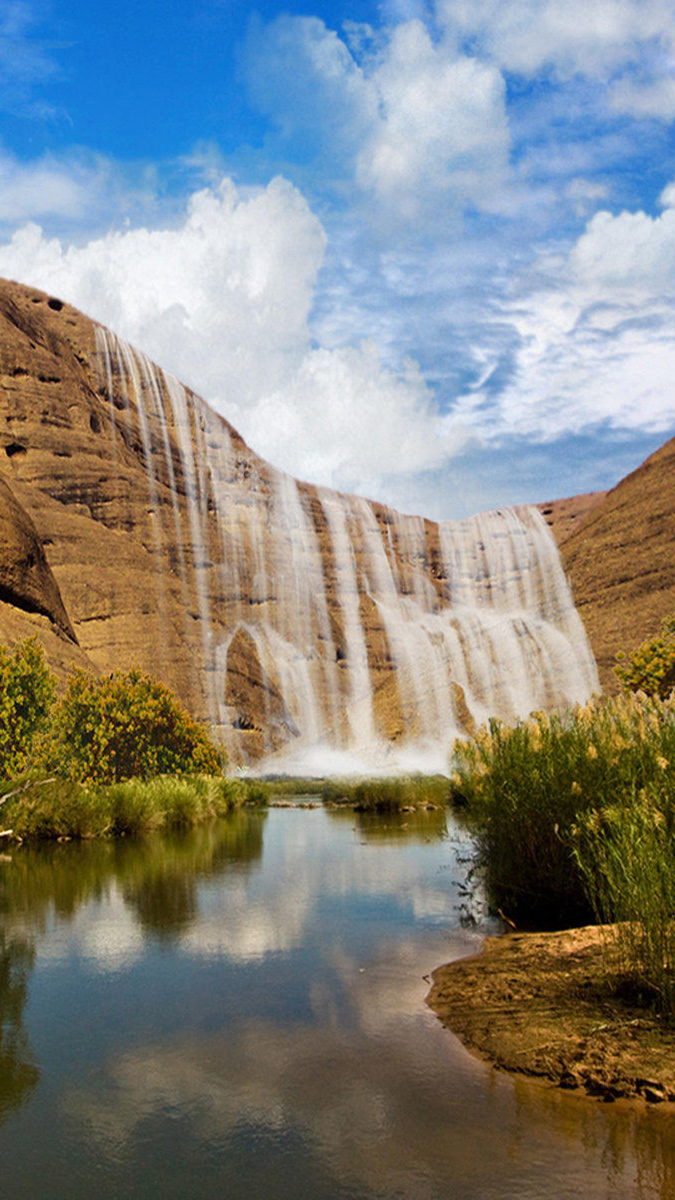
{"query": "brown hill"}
pixel 618 549
pixel 563 517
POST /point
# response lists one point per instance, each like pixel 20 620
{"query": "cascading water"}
pixel 320 624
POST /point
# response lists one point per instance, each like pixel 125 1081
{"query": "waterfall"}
pixel 309 625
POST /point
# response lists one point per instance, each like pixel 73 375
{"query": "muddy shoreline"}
pixel 541 1004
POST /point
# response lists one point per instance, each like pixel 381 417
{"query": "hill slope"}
pixel 619 554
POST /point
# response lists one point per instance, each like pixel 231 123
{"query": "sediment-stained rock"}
pixel 140 530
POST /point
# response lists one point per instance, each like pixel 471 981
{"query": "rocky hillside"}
pixel 619 554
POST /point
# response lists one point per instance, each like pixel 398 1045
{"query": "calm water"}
pixel 239 1012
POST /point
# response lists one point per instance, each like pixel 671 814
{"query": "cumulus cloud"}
pixel 409 120
pixel 527 36
pixel 650 98
pixel 441 126
pixel 346 398
pixel 223 301
pixel 48 187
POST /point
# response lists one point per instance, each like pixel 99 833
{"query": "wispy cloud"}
pixel 26 60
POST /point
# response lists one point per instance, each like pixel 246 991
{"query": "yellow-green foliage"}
pixel 55 808
pixel 26 696
pixel 525 786
pixel 626 853
pixel 650 667
pixel 127 726
pixel 387 795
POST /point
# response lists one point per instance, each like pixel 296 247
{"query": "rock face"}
pixel 563 517
pixel 138 529
pixel 619 554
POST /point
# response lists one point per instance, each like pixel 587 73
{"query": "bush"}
pixel 526 786
pixel 650 668
pixel 127 726
pixel 26 696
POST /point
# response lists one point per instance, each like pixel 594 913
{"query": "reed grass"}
pixel 526 786
pixel 54 807
pixel 626 854
pixel 387 795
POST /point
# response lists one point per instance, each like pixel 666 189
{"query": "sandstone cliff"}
pixel 620 558
pixel 138 529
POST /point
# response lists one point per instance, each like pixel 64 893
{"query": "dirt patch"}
pixel 541 1004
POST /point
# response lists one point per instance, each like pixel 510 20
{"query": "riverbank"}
pixel 541 1004
pixel 60 809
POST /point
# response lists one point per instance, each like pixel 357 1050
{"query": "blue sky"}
pixel 422 251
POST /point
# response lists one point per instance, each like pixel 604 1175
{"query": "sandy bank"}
pixel 540 1004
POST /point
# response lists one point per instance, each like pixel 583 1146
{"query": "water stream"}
pixel 239 1011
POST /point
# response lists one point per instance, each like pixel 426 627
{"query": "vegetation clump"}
pixel 127 726
pixel 650 668
pixel 27 691
pixel 574 816
pixel 111 756
pixel 626 853
pixel 60 808
pixel 387 795
pixel 526 786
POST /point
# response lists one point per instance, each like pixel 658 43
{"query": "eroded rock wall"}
pixel 140 530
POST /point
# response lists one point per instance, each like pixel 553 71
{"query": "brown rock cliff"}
pixel 618 549
pixel 112 547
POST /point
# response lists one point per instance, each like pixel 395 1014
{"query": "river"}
pixel 238 1011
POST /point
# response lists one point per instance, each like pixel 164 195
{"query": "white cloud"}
pixel 346 420
pixel 631 253
pixel 409 119
pixel 24 62
pixel 574 37
pixel 223 301
pixel 48 187
pixel 651 98
pixel 441 126
pixel 597 342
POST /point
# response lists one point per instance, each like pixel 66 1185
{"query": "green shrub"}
pixel 526 785
pixel 650 668
pixel 53 808
pixel 127 726
pixel 26 697
pixel 626 853
pixel 387 794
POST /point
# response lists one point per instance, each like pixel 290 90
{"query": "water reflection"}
pixel 249 1011
pixel 18 1072
pixel 163 891
pixel 46 881
pixel 422 825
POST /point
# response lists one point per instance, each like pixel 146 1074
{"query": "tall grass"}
pixel 526 786
pixel 626 854
pixel 387 795
pixel 56 808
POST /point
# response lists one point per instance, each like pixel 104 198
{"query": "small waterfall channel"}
pixel 322 628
